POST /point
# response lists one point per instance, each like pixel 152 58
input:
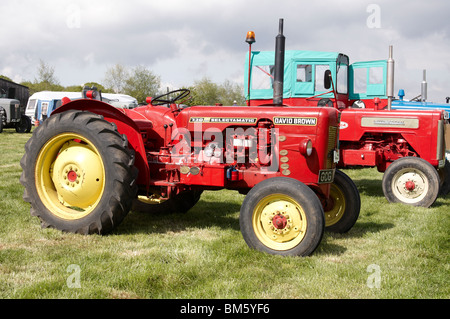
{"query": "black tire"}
pixel 2 111
pixel 282 216
pixel 24 126
pixel 78 173
pixel 344 205
pixel 412 181
pixel 444 176
pixel 180 204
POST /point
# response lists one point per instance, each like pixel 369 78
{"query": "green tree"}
pixel 116 77
pixel 141 83
pixel 45 80
pixel 206 92
pixel 231 93
pixel 73 88
pixel 5 78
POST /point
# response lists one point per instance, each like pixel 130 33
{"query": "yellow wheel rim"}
pixel 333 215
pixel 70 176
pixel 279 222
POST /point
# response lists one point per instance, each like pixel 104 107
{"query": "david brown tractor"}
pixel 88 162
pixel 407 145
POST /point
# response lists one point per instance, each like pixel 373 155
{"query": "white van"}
pixel 41 104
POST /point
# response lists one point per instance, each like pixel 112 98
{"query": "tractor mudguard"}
pixel 125 126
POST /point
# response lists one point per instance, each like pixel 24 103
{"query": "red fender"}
pixel 124 124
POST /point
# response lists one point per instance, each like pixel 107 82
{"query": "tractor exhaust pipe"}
pixel 279 67
pixel 423 87
pixel 390 78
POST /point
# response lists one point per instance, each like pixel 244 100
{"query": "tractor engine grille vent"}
pixel 332 142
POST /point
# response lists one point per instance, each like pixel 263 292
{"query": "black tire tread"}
pixel 114 144
pixel 444 173
pixel 417 163
pixel 352 201
pixel 304 196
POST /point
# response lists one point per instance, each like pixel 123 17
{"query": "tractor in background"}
pixel 408 146
pixel 12 114
pixel 420 102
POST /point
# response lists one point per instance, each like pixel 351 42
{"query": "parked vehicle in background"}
pixel 408 146
pixel 420 102
pixel 12 115
pixel 41 104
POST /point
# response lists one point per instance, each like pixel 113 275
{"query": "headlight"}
pixel 306 147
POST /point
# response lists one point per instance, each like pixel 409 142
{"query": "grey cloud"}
pixel 184 40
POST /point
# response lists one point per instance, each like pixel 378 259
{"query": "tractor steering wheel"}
pixel 165 98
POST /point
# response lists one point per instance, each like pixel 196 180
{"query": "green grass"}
pixel 202 254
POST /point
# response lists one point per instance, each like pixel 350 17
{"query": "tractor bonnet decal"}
pixel 389 122
pixel 343 125
pixel 222 120
pixel 310 121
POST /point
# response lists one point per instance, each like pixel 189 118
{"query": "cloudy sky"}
pixel 186 40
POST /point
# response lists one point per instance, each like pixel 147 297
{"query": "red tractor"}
pixel 88 162
pixel 408 146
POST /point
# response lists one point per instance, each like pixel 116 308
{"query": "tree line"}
pixel 140 83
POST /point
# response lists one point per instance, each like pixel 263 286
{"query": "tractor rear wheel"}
pixel 78 173
pixel 343 207
pixel 180 203
pixel 444 175
pixel 282 216
pixel 412 181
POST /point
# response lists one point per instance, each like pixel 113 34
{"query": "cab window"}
pixel 304 73
pixel 360 80
pixel 262 77
pixel 320 71
pixel 368 79
pixel 342 79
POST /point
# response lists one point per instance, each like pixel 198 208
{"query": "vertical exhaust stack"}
pixel 279 67
pixel 390 79
pixel 423 86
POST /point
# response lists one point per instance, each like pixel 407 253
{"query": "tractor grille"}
pixel 332 142
pixel 15 112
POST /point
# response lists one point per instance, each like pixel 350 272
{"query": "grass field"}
pixel 393 251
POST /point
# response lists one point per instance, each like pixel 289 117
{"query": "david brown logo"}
pixel 308 121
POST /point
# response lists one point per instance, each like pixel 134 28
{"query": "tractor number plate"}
pixel 326 176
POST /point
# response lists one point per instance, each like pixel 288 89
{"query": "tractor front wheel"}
pixel 24 126
pixel 78 173
pixel 343 207
pixel 282 216
pixel 412 181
